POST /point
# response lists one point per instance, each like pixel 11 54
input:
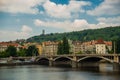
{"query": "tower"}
pixel 43 32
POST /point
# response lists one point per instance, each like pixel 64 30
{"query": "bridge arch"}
pixel 42 60
pixel 62 61
pixel 63 57
pixel 97 57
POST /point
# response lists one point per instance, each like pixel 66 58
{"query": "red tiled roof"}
pixel 109 43
pixel 9 44
pixel 100 41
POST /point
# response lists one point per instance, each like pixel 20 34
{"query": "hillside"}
pixel 109 33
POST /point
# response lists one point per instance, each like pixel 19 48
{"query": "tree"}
pixel 11 51
pixel 21 52
pixel 3 54
pixel 63 47
pixel 32 51
pixel 60 51
pixel 66 46
pixel 118 45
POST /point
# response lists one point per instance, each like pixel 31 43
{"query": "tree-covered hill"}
pixel 109 33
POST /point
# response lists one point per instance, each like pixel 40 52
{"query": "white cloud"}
pixel 13 35
pixel 109 20
pixel 108 7
pixel 52 9
pixel 64 11
pixel 26 29
pixel 66 25
pixel 78 24
pixel 20 6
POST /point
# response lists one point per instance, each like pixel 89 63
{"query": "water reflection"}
pixel 105 67
pixel 38 72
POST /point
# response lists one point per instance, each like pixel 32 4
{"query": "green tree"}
pixel 80 52
pixel 63 47
pixel 21 52
pixel 60 51
pixel 118 46
pixel 11 51
pixel 32 51
pixel 3 54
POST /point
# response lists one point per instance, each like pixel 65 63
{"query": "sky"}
pixel 21 19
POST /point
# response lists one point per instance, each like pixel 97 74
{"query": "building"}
pixel 5 45
pixel 96 46
pixel 108 45
pixel 88 47
pixel 40 49
pixel 49 48
pixel 77 47
pixel 100 47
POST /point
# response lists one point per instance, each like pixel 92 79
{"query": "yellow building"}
pixel 40 50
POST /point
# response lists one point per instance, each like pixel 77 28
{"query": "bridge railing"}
pixel 84 55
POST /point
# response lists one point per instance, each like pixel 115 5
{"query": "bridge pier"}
pixel 50 63
pixel 116 66
pixel 74 64
pixel 116 58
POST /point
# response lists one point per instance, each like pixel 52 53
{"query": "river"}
pixel 38 72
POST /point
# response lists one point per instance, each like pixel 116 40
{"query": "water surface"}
pixel 38 72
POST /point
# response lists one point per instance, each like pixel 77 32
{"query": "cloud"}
pixel 13 35
pixel 78 24
pixel 26 29
pixel 66 25
pixel 51 9
pixel 20 6
pixel 64 11
pixel 108 7
pixel 113 20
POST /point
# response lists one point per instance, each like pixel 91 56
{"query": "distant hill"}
pixel 109 33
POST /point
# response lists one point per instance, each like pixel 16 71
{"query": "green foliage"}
pixel 21 52
pixel 32 51
pixel 59 51
pixel 80 52
pixel 3 54
pixel 109 33
pixel 63 48
pixel 118 46
pixel 11 51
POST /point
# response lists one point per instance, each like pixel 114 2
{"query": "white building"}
pixel 100 47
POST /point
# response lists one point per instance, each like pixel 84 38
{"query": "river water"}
pixel 38 72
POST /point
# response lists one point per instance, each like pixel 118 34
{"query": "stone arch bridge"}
pixel 51 60
pixel 74 59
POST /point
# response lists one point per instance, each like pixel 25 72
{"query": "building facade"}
pixel 49 48
pixel 5 45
